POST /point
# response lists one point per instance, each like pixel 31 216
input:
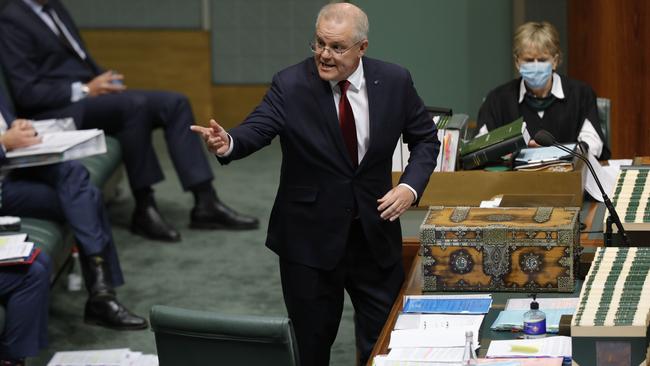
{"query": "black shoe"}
pixel 149 223
pixel 216 215
pixel 102 307
pixel 106 311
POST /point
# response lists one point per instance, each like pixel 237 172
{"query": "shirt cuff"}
pixel 415 194
pixel 232 146
pixel 77 93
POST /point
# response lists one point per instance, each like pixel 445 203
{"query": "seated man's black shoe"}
pixel 148 222
pixel 216 215
pixel 102 307
pixel 106 311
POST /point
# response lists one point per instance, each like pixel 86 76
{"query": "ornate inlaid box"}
pixel 522 249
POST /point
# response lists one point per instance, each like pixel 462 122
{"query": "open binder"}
pixel 57 147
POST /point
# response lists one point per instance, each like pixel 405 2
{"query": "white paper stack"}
pixel 13 247
pixel 109 357
pixel 432 329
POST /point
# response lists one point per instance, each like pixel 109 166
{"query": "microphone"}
pixel 545 138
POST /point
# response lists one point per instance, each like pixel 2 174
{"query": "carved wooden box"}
pixel 522 249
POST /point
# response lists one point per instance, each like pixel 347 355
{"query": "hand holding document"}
pixel 56 147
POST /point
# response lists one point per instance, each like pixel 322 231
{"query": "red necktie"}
pixel 346 121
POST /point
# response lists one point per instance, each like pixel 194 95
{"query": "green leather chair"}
pixel 604 106
pixel 193 338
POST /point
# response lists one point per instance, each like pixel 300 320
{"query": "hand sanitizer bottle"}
pixel 75 280
pixel 534 321
pixel 469 356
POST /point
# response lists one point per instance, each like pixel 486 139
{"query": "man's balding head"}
pixel 346 12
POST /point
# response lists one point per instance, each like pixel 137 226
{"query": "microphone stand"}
pixel 612 212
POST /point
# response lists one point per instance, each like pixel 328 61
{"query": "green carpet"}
pixel 224 271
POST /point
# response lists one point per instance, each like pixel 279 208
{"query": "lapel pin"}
pixel 376 82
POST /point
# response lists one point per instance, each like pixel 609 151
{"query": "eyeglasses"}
pixel 317 48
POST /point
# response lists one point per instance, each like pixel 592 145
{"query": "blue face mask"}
pixel 536 74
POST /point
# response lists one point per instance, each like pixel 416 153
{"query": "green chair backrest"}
pixel 604 114
pixel 190 337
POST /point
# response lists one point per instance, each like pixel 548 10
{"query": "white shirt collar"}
pixel 355 79
pixel 556 89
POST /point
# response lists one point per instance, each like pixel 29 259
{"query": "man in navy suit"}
pixel 24 290
pixel 62 193
pixel 51 74
pixel 335 222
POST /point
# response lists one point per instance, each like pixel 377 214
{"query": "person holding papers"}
pixel 335 221
pixel 24 291
pixel 564 107
pixel 52 75
pixel 63 192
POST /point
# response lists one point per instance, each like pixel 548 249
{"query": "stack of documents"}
pixel 543 156
pixel 512 318
pixel 15 250
pixel 432 329
pixel 558 346
pixel 551 361
pixel 109 357
pixel 56 147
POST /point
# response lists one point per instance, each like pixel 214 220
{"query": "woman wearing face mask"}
pixel 564 107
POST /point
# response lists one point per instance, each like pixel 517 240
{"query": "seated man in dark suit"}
pixel 51 74
pixel 63 192
pixel 24 291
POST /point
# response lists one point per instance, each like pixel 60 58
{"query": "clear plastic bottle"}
pixel 469 356
pixel 534 321
pixel 75 280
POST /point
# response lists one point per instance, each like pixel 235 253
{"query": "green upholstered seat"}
pixel 55 238
pixel 604 106
pixel 190 337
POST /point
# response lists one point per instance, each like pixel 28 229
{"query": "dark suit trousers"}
pixel 131 116
pixel 314 299
pixel 25 292
pixel 63 192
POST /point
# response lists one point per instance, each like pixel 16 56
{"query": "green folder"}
pixel 503 133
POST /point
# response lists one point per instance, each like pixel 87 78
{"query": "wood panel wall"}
pixel 232 103
pixel 609 48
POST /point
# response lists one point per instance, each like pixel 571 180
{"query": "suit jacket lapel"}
pixel 47 30
pixel 325 98
pixel 37 20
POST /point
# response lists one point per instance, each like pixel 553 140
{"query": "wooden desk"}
pixel 413 283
